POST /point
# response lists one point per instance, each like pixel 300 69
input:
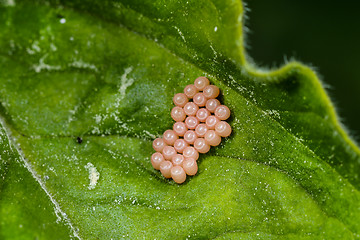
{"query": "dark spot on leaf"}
pixel 79 140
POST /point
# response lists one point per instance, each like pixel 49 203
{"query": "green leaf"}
pixel 26 212
pixel 106 71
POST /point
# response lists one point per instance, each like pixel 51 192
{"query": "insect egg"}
pixel 199 124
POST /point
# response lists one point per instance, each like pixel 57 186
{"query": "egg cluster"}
pixel 200 123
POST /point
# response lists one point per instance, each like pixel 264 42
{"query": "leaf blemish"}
pixel 180 33
pixel 125 83
pixel 79 140
pixel 94 175
pixel 43 66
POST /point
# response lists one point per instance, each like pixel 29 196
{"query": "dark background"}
pixel 323 34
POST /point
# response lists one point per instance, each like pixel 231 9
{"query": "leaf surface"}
pixel 106 71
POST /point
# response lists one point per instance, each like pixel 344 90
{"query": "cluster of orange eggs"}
pixel 200 123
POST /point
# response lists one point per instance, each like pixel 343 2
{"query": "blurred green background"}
pixel 324 34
